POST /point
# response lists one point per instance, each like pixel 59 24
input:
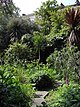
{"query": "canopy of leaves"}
pixel 8 8
pixel 59 28
pixel 43 15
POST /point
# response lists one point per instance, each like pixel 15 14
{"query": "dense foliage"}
pixel 12 91
pixel 18 52
pixel 66 62
pixel 66 96
pixel 42 54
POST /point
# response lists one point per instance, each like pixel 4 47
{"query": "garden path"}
pixel 39 98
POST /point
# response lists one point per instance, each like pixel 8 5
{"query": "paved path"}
pixel 39 98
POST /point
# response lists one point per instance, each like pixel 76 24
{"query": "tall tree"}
pixel 8 8
pixel 43 16
pixel 39 43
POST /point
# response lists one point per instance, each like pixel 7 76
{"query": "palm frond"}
pixel 72 17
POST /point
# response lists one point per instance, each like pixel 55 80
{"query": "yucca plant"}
pixel 72 18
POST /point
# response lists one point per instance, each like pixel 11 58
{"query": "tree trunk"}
pixel 66 78
pixel 39 56
pixel 74 38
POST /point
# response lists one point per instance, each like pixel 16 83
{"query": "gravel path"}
pixel 39 98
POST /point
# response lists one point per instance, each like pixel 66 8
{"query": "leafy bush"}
pixel 12 92
pixel 18 52
pixel 66 96
pixel 66 62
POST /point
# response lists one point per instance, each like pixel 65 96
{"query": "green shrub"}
pixel 66 96
pixel 12 92
pixel 17 53
pixel 66 62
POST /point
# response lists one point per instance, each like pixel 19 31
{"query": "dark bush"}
pixel 42 80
